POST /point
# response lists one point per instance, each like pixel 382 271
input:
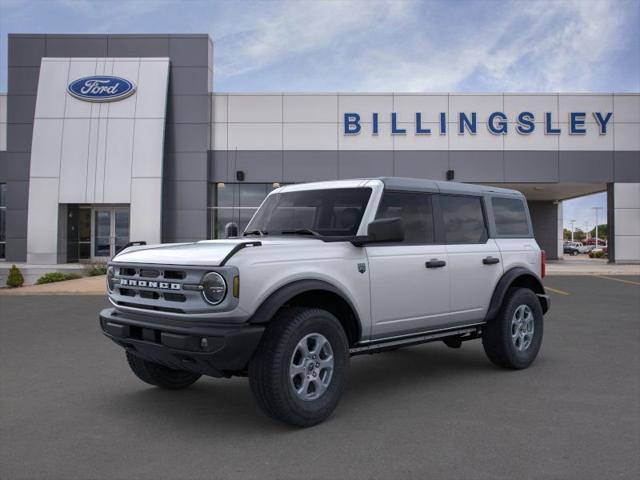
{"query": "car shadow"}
pixel 227 406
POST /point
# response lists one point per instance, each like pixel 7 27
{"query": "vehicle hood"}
pixel 205 253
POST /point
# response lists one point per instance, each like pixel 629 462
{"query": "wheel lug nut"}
pixel 317 364
pixel 314 374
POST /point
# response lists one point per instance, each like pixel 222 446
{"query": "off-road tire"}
pixel 159 375
pixel 269 375
pixel 496 335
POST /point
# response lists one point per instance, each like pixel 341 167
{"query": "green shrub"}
pixel 15 278
pixel 596 254
pixel 52 277
pixel 97 270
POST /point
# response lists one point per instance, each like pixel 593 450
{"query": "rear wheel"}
pixel 159 375
pixel 513 338
pixel 299 371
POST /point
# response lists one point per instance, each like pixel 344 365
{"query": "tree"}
pixel 566 234
pixel 603 231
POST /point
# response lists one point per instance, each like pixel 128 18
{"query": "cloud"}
pixel 413 46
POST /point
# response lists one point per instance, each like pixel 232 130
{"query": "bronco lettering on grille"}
pixel 130 282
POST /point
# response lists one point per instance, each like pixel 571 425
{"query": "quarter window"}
pixel 463 219
pixel 510 216
pixel 416 212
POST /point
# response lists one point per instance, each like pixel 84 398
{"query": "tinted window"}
pixel 330 212
pixel 463 219
pixel 510 216
pixel 415 211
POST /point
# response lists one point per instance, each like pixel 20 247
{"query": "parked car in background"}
pixel 570 248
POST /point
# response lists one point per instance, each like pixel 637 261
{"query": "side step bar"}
pixel 468 333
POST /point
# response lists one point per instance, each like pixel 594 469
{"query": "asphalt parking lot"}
pixel 71 409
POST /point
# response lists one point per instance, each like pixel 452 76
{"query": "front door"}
pixel 110 231
pixel 410 279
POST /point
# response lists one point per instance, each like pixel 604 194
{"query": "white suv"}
pixel 325 271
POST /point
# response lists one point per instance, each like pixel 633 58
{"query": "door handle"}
pixel 490 260
pixel 435 263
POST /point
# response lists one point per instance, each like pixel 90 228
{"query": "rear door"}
pixel 409 279
pixel 474 258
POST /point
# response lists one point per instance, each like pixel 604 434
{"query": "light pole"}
pixel 572 222
pixel 596 209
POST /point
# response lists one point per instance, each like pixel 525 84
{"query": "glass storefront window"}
pixel 235 203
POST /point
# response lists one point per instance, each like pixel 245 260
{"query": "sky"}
pixel 377 45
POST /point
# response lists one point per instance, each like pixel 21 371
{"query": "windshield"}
pixel 332 212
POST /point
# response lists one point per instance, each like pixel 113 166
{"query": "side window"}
pixel 463 219
pixel 416 213
pixel 510 216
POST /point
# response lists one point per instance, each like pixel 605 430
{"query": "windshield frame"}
pixel 256 229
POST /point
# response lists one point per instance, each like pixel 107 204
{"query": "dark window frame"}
pixel 485 218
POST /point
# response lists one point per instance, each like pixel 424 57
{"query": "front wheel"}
pixel 513 338
pixel 299 371
pixel 159 375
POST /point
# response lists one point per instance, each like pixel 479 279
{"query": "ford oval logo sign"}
pixel 101 88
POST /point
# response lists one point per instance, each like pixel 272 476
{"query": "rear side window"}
pixel 463 219
pixel 510 216
pixel 416 213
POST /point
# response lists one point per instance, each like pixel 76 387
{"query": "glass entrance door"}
pixel 110 231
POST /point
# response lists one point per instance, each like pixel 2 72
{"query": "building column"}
pixel 546 217
pixel 623 209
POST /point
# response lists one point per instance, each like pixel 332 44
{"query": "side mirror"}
pixel 383 230
pixel 231 230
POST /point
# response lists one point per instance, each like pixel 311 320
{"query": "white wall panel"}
pixel 92 160
pixel 536 104
pixel 310 108
pixel 42 222
pixel 45 147
pixel 51 85
pixel 219 136
pixel 592 140
pixel 125 108
pixel 148 148
pixel 584 103
pixel 626 195
pixel 483 105
pixel 430 106
pixel 145 213
pixel 74 162
pixel 365 105
pixel 627 136
pixel 255 108
pixel 628 221
pixel 255 136
pixel 411 141
pixel 219 105
pixel 310 136
pixel 3 136
pixel 626 107
pixel 118 158
pixel 3 108
pixel 77 108
pixel 151 94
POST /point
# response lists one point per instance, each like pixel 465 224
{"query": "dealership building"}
pixel 106 139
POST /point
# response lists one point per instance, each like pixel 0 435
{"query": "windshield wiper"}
pixel 254 232
pixel 301 231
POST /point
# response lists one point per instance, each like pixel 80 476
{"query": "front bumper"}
pixel 214 350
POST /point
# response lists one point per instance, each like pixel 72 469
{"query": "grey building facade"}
pixel 175 161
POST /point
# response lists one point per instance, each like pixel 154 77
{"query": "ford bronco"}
pixel 325 271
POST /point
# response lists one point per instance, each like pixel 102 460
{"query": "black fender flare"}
pixel 522 275
pixel 277 299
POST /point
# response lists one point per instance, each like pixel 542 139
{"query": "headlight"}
pixel 214 288
pixel 111 272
